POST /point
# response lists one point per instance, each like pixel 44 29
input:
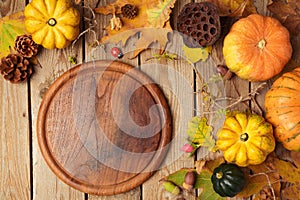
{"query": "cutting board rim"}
pixel 138 179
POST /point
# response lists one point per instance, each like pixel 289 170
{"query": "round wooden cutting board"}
pixel 104 127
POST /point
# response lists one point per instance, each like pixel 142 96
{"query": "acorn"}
pixel 189 180
pixel 224 72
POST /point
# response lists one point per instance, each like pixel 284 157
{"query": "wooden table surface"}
pixel 23 171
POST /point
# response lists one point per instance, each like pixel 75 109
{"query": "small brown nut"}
pixel 189 180
pixel 221 69
pixel 224 71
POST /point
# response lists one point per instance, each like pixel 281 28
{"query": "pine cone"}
pixel 25 46
pixel 129 11
pixel 15 68
pixel 199 23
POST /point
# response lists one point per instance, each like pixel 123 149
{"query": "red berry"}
pixel 116 52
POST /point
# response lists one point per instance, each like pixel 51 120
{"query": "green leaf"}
pixel 200 133
pixel 178 177
pixel 203 181
pixel 196 54
pixel 171 187
pixel 158 16
pixel 10 27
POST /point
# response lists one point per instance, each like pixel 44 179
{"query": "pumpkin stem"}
pixel 219 175
pixel 52 22
pixel 261 44
pixel 244 137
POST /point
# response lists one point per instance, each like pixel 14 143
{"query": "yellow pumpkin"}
pixel 246 139
pixel 257 47
pixel 52 23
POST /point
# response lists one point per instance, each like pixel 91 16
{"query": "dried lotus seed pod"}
pixel 199 24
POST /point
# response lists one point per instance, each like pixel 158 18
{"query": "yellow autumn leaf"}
pixel 199 133
pixel 11 26
pixel 196 54
pixel 152 22
pixel 158 16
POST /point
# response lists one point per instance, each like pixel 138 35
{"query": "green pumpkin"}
pixel 228 180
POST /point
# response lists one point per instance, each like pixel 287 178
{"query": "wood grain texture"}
pixel 15 137
pixel 177 81
pixel 98 128
pixel 100 53
pixel 45 184
pixel 14 133
pixel 8 7
pixel 257 108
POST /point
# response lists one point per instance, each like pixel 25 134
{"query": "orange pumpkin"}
pixel 282 105
pixel 257 48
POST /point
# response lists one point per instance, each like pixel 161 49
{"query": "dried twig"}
pixel 165 55
pixel 250 96
pixel 92 22
pixel 269 181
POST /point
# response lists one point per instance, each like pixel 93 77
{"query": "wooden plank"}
pixel 54 62
pixel 260 99
pixel 15 181
pixel 9 7
pixel 100 53
pixel 176 78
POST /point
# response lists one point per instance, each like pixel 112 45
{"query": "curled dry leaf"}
pixel 115 23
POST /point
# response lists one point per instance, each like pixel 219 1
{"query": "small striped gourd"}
pixel 282 105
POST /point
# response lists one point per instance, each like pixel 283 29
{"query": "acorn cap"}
pixel 199 24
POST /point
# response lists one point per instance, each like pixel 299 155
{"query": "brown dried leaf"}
pixel 263 175
pixel 288 13
pixel 292 192
pixel 113 7
pixel 296 158
pixel 147 38
pixel 287 171
pixel 152 22
pixel 199 164
pixel 234 8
